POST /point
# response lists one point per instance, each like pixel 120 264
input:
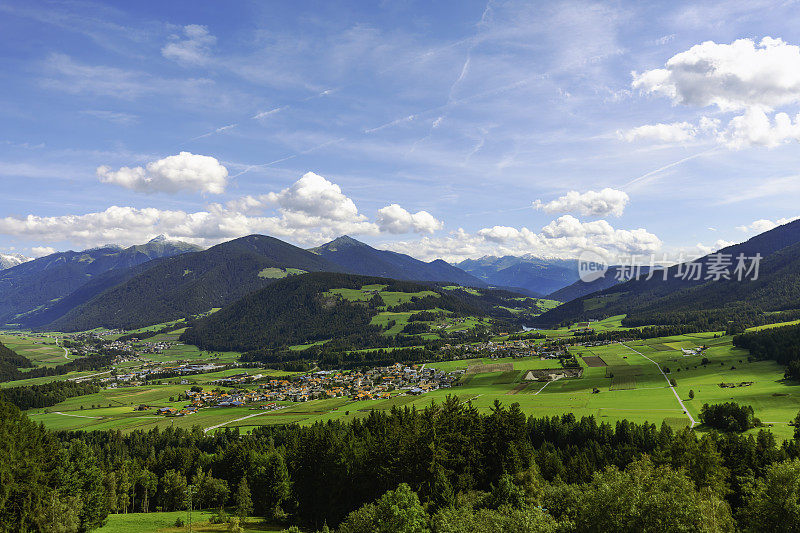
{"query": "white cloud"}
pixel 762 225
pixel 311 211
pixel 41 251
pixel 676 132
pixel 689 253
pixel 591 203
pixel 315 196
pixel 182 172
pixel 395 219
pixel 193 48
pixel 754 127
pixel 730 76
pixel 564 237
pixel 746 77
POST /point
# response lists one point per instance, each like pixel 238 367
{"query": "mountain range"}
pixel 164 280
pixel 12 260
pixel 34 285
pixel 536 275
pixel 358 258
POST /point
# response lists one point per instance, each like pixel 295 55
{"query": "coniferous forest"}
pixel 446 468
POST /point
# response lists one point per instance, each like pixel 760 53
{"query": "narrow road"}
pixel 83 378
pixel 66 352
pixel 79 416
pixel 685 410
pixel 543 386
pixel 206 430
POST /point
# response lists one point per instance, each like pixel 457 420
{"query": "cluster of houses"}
pixel 693 351
pixel 152 371
pixel 451 322
pixel 213 398
pixel 507 348
pixel 376 383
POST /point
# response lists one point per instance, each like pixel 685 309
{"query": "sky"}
pixel 439 129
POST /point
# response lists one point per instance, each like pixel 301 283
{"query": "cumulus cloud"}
pixel 192 48
pixel 564 237
pixel 754 127
pixel 730 76
pixel 395 219
pixel 591 203
pixel 315 196
pixel 41 251
pixel 182 172
pixel 762 225
pixel 746 77
pixel 310 211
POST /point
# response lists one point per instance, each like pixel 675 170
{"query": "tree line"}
pixel 447 467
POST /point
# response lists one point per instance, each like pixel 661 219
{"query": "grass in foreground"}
pixel 165 522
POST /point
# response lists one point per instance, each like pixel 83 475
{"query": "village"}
pixel 374 384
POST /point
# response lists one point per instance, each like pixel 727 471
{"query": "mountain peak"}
pixel 11 260
pixel 341 243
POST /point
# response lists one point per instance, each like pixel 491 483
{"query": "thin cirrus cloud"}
pixel 590 203
pixel 747 78
pixel 182 172
pixel 192 47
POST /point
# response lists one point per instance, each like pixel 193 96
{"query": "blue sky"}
pixel 446 129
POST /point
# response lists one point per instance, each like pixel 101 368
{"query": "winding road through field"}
pixel 206 430
pixel 685 410
pixel 66 352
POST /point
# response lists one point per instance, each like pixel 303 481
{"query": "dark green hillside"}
pixel 52 311
pixel 359 258
pixel 10 361
pixel 582 288
pixel 190 284
pixel 291 311
pixel 706 304
pixel 41 282
pixel 323 306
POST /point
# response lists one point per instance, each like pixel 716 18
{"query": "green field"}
pixel 279 273
pixel 165 522
pixel 775 325
pixel 629 387
pixel 41 350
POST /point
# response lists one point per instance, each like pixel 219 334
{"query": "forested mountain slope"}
pixel 359 258
pixel 41 282
pixel 322 306
pixel 192 283
pixel 705 301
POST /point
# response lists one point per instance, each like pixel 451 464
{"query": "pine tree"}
pixel 243 501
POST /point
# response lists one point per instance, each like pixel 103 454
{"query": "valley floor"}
pixel 625 385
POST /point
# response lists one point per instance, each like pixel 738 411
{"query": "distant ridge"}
pixel 192 283
pixel 713 303
pixel 34 285
pixel 12 260
pixel 535 274
pixel 358 258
